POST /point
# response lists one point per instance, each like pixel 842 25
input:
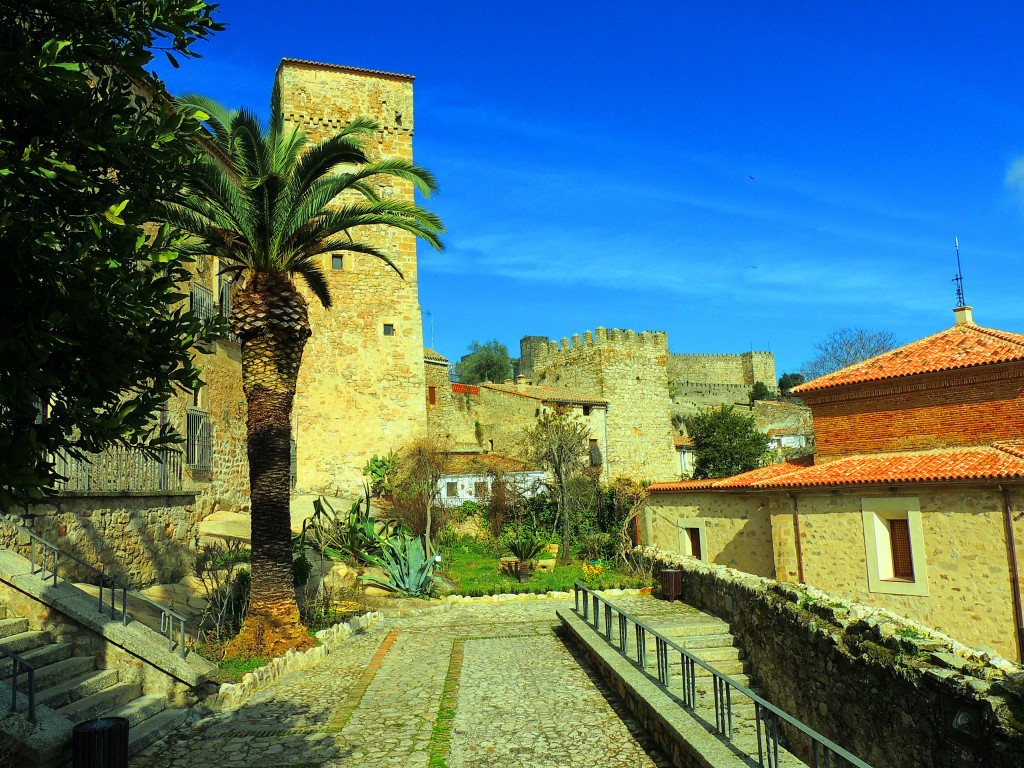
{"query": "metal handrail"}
pixel 18 664
pixel 49 559
pixel 767 715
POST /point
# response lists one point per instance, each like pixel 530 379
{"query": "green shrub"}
pixel 409 571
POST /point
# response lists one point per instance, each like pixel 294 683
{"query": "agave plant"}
pixel 356 537
pixel 409 571
pixel 525 545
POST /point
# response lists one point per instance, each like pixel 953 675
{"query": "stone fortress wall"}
pixel 713 379
pixel 361 386
pixel 629 370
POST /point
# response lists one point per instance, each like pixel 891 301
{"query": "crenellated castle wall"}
pixel 629 370
pixel 744 369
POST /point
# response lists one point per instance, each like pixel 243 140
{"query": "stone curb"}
pixel 231 695
pixel 552 595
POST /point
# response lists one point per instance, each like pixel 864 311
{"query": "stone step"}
pixel 25 641
pixel 100 703
pixel 77 687
pixel 705 641
pixel 38 657
pixel 692 628
pixel 705 682
pixel 13 626
pixel 150 731
pixel 714 655
pixel 140 708
pixel 65 669
pixel 726 665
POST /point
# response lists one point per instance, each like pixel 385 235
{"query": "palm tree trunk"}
pixel 270 367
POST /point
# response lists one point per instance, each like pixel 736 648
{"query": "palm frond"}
pixel 314 277
pixel 218 119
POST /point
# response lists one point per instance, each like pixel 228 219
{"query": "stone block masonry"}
pixel 880 686
pixel 361 386
pixel 744 369
pixel 629 370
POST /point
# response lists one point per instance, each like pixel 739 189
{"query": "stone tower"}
pixel 629 370
pixel 361 385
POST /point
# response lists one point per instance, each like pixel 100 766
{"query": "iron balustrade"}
pixel 201 303
pixel 224 306
pixel 120 469
pixel 18 665
pixel 767 717
pixel 46 559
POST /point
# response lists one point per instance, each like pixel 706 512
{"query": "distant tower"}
pixel 529 349
pixel 361 386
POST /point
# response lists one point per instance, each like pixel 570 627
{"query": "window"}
pixel 432 395
pixel 389 329
pixel 595 453
pixel 198 448
pixel 480 489
pixel 337 261
pixel 894 546
pixel 693 537
pixel 451 489
pixel 201 302
pixel 586 411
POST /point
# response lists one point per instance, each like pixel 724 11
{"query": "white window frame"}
pixel 702 534
pixel 877 512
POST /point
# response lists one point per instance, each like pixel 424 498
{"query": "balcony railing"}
pixel 224 306
pixel 120 470
pixel 201 302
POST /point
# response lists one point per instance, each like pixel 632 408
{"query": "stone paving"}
pixel 480 684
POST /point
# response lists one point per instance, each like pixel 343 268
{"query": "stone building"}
pixel 361 385
pixel 719 379
pixel 627 369
pixel 913 501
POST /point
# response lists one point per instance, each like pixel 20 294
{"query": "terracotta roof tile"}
pixel 682 441
pixel 344 68
pixel 482 463
pixel 963 346
pixel 546 394
pixel 1000 461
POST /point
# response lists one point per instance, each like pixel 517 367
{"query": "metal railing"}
pixel 18 665
pixel 120 469
pixel 224 305
pixel 47 559
pixel 201 302
pixel 198 440
pixel 767 717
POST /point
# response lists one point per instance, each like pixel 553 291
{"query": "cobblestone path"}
pixel 480 684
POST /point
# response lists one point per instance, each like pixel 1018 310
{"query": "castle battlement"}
pixel 542 347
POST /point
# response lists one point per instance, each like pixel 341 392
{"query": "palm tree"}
pixel 270 204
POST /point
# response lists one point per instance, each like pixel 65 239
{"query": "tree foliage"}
pixel 725 443
pixel 789 380
pixel 761 391
pixel 844 347
pixel 561 444
pixel 90 340
pixel 489 361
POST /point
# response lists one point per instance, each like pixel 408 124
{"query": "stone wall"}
pixel 737 529
pixel 881 687
pixel 933 410
pixel 739 370
pixel 142 539
pixel 968 574
pixel 360 390
pixel 451 417
pixel 968 580
pixel 627 369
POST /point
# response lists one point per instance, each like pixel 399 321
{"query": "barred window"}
pixel 899 541
pixel 198 445
pixel 201 302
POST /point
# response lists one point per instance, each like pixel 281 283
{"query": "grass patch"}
pixel 233 670
pixel 473 568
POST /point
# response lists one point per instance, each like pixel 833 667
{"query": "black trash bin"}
pixel 100 743
pixel 671 583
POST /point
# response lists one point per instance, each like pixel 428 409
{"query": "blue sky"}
pixel 742 175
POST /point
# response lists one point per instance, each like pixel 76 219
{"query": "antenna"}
pixel 958 281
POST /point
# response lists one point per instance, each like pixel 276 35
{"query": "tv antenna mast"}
pixel 958 281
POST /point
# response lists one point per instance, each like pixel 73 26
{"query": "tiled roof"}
pixel 1000 461
pixel 344 68
pixel 545 394
pixel 434 357
pixel 682 441
pixel 965 345
pixel 482 463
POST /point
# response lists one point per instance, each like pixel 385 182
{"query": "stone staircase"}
pixel 74 688
pixel 710 640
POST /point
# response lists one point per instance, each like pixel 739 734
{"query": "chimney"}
pixel 963 316
pixel 520 382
